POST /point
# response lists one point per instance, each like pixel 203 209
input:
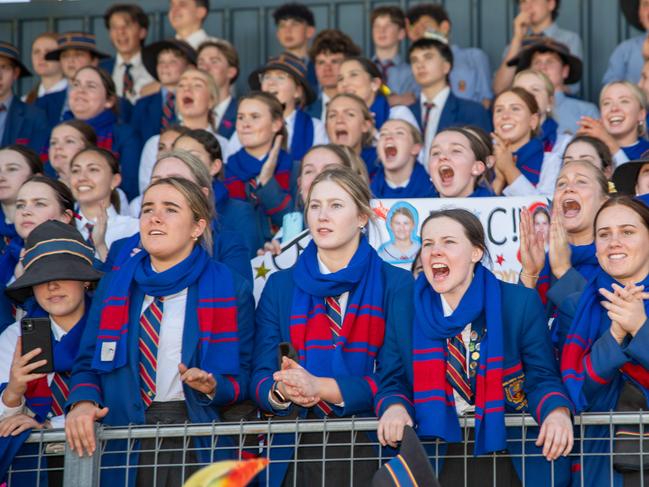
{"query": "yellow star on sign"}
pixel 262 271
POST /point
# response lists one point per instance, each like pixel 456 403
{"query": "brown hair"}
pixel 351 183
pixel 600 147
pixel 333 41
pixel 113 165
pixel 395 13
pixel 479 147
pixel 528 99
pixel 64 196
pixel 473 229
pixel 199 204
pixel 623 200
pixel 274 106
pixel 228 50
pixel 87 132
pixel 367 137
pixel 32 159
pixel 108 83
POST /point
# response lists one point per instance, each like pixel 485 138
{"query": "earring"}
pixel 195 238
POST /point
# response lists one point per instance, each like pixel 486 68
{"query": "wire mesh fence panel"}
pixel 332 452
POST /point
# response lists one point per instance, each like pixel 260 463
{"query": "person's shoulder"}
pixel 123 132
pixel 396 277
pixel 514 293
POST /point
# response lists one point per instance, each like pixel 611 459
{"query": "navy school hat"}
pixel 11 52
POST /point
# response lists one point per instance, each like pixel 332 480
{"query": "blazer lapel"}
pixel 447 119
pixel 190 330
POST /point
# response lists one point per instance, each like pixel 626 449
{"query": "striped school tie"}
pixel 332 305
pixel 90 226
pixel 456 368
pixel 127 80
pixel 169 110
pixel 59 389
pixel 428 106
pixel 148 344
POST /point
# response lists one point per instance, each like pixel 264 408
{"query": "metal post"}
pixel 82 471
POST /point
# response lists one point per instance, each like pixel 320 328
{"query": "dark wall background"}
pixel 249 25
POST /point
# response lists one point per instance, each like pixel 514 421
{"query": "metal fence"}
pixel 49 456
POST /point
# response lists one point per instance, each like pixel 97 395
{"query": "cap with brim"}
pixel 410 467
pixel 546 44
pixel 630 10
pixel 150 53
pixel 55 251
pixel 625 176
pixel 290 64
pixel 76 40
pixel 11 52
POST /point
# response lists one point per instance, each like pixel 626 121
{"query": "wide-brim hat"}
pixel 10 51
pixel 76 40
pixel 534 44
pixel 625 176
pixel 54 251
pixel 150 53
pixel 290 64
pixel 630 10
pixel 410 467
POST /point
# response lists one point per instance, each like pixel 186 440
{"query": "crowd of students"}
pixel 136 188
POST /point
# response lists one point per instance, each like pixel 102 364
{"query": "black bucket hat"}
pixel 55 251
pixel 410 467
pixel 630 10
pixel 534 44
pixel 625 176
pixel 290 64
pixel 11 52
pixel 150 53
pixel 76 40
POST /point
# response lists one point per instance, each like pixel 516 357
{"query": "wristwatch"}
pixel 277 395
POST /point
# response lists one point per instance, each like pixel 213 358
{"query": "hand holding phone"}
pixel 37 333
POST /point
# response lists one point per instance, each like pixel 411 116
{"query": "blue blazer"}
pixel 25 125
pixel 119 390
pixel 229 248
pixel 147 114
pixel 127 144
pixel 458 111
pixel 529 363
pixel 52 104
pixel 272 327
pixel 315 108
pixel 239 218
pixel 108 64
pixel 227 126
pixel 602 386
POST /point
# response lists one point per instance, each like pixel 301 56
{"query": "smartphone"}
pixel 37 333
pixel 285 349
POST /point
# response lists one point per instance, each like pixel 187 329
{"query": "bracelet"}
pixel 532 276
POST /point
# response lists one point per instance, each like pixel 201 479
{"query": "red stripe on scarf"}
pixel 638 373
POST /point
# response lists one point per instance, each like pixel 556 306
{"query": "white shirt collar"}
pixel 111 212
pixel 60 85
pixel 446 308
pixel 219 110
pixel 195 39
pixel 321 265
pixel 57 331
pixel 440 98
pixel 135 61
pixel 290 119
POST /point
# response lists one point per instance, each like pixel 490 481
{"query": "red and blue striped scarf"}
pixel 590 322
pixel 354 351
pixel 242 167
pixel 216 308
pixel 433 395
pixel 529 160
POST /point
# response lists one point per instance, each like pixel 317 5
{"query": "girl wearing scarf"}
pixel 260 172
pixel 458 164
pixel 228 247
pixel 94 177
pixel 316 160
pixel 285 77
pixel 604 358
pixel 39 199
pixel 233 215
pixel 93 99
pixel 400 175
pixel 570 261
pixel 17 164
pixel 522 166
pixel 58 272
pixel 359 76
pixel 333 307
pixel 622 126
pixel 350 123
pixel 203 316
pixel 477 345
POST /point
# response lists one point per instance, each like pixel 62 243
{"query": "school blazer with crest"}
pixel 531 379
pixel 457 111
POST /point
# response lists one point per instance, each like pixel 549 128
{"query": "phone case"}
pixel 36 333
pixel 286 349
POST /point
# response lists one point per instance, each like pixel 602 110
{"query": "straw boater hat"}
pixel 11 52
pixel 76 40
pixel 290 64
pixel 54 251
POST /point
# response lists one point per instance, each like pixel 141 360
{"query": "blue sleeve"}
pixel 543 386
pixel 601 367
pixel 394 385
pixel 276 201
pixel 638 346
pixel 231 389
pixel 571 282
pixel 268 336
pixel 484 75
pixel 231 250
pixel 129 148
pixel 84 382
pixel 616 69
pixel 40 130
